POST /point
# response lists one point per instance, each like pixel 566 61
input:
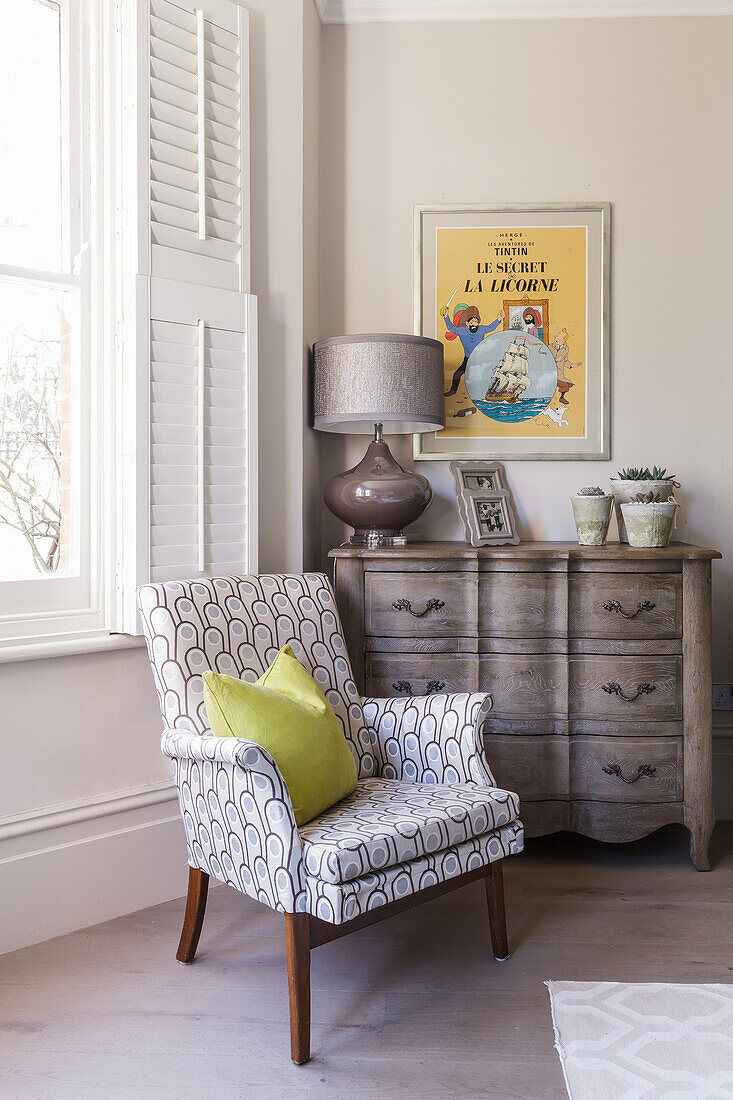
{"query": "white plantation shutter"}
pixel 199 464
pixel 190 334
pixel 197 152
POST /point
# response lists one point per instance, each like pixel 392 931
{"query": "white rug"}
pixel 619 1041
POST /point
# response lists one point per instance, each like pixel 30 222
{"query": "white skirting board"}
pixel 69 867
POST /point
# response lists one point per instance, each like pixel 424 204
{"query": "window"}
pixel 127 336
pixel 46 489
pixel 35 313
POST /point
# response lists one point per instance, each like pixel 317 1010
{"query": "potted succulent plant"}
pixel 592 514
pixel 629 482
pixel 648 519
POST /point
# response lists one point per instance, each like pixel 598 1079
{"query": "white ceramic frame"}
pixel 468 506
pixel 462 470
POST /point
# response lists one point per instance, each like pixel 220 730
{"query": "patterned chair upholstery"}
pixel 425 810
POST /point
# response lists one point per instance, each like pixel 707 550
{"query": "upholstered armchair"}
pixel 426 816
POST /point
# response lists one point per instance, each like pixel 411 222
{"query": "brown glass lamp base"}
pixel 377 497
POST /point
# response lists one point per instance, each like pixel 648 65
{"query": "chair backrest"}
pixel 236 625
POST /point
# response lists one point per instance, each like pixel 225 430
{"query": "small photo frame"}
pixel 477 477
pixel 489 518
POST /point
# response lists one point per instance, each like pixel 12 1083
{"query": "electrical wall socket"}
pixel 722 696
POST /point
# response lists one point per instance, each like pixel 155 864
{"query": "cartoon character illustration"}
pixel 561 354
pixel 457 312
pixel 557 416
pixel 532 322
pixel 471 332
pixel 529 317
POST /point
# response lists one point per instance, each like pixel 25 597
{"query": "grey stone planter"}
pixel 592 516
pixel 625 490
pixel 649 524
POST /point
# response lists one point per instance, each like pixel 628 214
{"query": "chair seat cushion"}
pixel 385 822
pixel 337 902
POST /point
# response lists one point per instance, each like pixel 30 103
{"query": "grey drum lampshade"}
pixel 395 380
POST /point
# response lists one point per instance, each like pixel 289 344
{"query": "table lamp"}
pixel 380 383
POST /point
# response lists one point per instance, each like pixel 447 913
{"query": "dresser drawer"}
pixel 625 689
pixel 416 605
pixel 391 674
pixel 522 605
pixel 598 769
pixel 625 605
pixel 525 686
pixel 626 770
pixel 595 686
pixel 537 768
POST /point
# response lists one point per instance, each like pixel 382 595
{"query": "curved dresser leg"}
pixel 697 678
pixel 198 888
pixel 699 843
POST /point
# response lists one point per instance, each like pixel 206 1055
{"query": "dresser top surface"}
pixel 559 551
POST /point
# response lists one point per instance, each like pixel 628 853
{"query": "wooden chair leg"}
pixel 497 916
pixel 198 888
pixel 298 949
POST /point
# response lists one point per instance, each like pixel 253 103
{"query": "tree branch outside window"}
pixel 30 451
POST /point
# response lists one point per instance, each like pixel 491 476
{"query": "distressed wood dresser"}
pixel 598 659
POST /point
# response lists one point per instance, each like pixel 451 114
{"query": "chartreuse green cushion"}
pixel 286 713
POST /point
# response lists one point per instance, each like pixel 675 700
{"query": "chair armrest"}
pixel 240 825
pixel 431 738
pixel 220 750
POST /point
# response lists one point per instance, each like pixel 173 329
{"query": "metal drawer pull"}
pixel 431 688
pixel 643 772
pixel 616 689
pixel 405 605
pixel 643 605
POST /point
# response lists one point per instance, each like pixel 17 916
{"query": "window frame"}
pixel 38 610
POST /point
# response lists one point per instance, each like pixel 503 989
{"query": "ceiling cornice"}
pixel 429 11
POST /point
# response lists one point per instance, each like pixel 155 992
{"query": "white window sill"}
pixel 65 646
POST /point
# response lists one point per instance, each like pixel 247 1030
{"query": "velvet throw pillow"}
pixel 286 713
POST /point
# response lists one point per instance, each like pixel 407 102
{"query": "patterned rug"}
pixel 618 1041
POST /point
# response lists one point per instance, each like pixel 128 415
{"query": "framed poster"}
pixel 519 297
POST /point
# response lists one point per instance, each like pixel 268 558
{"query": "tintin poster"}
pixel 519 299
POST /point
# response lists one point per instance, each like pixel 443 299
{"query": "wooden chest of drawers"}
pixel 598 659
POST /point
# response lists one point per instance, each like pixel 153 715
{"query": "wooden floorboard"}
pixel 415 1007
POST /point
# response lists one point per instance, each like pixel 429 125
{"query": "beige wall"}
pixel 311 502
pixel 634 111
pixel 78 727
pixel 276 111
pixel 285 38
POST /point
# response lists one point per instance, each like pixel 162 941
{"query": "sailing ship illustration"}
pixel 511 374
